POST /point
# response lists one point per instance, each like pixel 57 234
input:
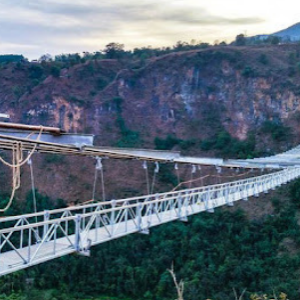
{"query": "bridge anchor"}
pixel 85 251
pixel 144 231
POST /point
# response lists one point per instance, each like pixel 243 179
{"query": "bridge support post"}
pixel 77 233
pixel 186 202
pixel 46 226
pixel 139 209
pixel 112 217
pixel 227 197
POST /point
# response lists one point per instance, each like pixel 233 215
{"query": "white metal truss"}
pixel 73 144
pixel 31 239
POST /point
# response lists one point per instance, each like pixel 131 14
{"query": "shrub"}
pixel 55 71
pixel 263 59
pixel 248 72
pixel 277 130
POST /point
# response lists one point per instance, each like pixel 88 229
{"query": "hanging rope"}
pixel 32 187
pixel 156 170
pixel 202 180
pixel 17 163
pixel 99 167
pixel 177 173
pixel 206 176
pixel 102 182
pixel 193 171
pixel 16 174
pixel 22 162
pixel 145 167
pixel 219 171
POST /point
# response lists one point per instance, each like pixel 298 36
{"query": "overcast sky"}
pixel 36 27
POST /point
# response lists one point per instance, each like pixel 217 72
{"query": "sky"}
pixel 37 27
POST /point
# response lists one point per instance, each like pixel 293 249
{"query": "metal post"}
pixel 46 218
pixel 112 216
pixel 179 200
pixel 139 216
pixel 77 232
pixel 29 245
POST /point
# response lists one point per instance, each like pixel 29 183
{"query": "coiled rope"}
pixel 17 163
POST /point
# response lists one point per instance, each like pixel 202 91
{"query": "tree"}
pixel 240 40
pixel 55 71
pixel 45 58
pixel 114 51
pixel 179 286
pixel 273 40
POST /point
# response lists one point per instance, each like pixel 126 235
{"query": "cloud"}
pixel 66 25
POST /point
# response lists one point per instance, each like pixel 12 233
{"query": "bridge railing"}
pixel 139 216
pixel 38 237
pixel 265 180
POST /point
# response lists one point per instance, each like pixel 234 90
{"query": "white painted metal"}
pixel 72 144
pixel 31 239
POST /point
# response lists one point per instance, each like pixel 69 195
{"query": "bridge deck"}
pixel 11 261
pixel 35 238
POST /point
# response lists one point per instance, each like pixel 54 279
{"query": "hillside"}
pixel 219 101
pixel 189 101
pixel 291 33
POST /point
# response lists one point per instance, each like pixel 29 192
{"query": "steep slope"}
pixel 191 95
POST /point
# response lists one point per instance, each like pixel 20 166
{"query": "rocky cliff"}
pixel 187 95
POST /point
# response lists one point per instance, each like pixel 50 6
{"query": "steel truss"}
pixel 31 239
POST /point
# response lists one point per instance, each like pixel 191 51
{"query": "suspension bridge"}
pixel 31 239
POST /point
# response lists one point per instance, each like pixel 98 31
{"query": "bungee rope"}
pixel 17 163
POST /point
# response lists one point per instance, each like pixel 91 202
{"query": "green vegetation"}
pixel 263 59
pixel 17 91
pixel 43 203
pixel 248 72
pixel 227 146
pixel 55 71
pixel 129 138
pixel 36 71
pixel 171 141
pixel 278 131
pixel 8 58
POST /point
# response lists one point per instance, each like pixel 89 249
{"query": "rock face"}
pixel 185 94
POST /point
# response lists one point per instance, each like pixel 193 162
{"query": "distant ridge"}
pixel 291 34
